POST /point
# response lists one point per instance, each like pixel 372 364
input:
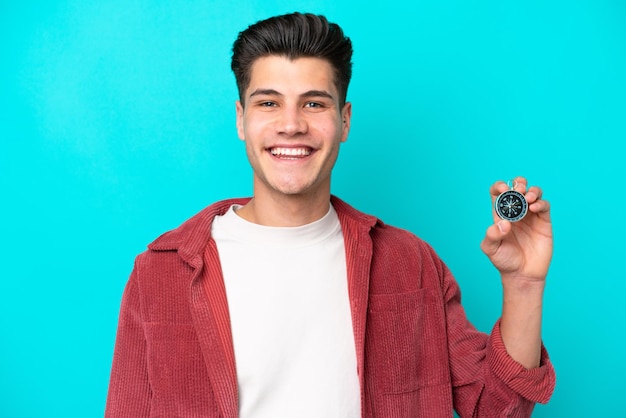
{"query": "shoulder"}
pixel 392 236
pixel 194 230
pixel 181 248
pixel 393 249
pixel 402 262
pixel 385 237
pixel 397 245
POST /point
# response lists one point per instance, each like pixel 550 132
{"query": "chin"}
pixel 295 191
pixel 291 188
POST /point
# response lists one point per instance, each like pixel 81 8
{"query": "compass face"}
pixel 511 206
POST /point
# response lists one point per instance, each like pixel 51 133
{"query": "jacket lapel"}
pixel 209 310
pixel 358 246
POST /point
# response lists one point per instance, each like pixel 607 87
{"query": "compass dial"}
pixel 511 206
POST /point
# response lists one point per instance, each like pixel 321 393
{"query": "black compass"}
pixel 511 206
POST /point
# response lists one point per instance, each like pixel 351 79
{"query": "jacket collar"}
pixel 190 238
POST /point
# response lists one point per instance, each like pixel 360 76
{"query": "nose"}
pixel 291 121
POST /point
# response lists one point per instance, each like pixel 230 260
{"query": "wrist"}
pixel 523 285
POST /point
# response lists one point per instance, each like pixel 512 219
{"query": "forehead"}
pixel 292 76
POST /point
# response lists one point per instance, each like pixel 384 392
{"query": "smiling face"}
pixel 292 123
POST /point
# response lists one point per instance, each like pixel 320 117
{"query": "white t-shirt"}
pixel 290 314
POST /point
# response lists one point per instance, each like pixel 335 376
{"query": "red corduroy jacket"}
pixel 417 354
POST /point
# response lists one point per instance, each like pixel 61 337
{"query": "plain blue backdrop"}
pixel 117 123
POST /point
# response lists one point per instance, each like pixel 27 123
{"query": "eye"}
pixel 314 105
pixel 267 103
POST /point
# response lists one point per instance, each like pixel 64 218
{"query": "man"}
pixel 294 304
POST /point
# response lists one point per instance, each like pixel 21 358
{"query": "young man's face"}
pixel 292 123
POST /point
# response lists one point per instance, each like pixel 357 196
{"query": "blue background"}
pixel 117 123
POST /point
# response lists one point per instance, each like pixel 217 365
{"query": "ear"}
pixel 240 112
pixel 346 116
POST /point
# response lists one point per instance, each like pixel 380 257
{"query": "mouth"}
pixel 291 153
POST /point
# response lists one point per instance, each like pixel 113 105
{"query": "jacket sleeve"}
pixel 129 388
pixel 486 381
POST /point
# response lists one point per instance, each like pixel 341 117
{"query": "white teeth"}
pixel 290 152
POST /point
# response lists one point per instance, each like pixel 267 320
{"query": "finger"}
pixel 494 236
pixel 533 194
pixel 497 188
pixel 540 206
pixel 537 190
pixel 520 184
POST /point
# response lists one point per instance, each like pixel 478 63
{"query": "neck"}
pixel 285 210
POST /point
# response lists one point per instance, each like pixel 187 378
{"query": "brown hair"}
pixel 293 36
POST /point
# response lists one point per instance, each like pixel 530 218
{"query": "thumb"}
pixel 494 236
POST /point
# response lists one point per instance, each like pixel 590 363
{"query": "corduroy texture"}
pixel 417 354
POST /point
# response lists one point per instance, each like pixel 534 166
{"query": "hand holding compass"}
pixel 519 243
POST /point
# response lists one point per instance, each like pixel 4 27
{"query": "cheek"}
pixel 252 128
pixel 330 129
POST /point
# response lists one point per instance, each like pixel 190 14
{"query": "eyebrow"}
pixel 306 94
